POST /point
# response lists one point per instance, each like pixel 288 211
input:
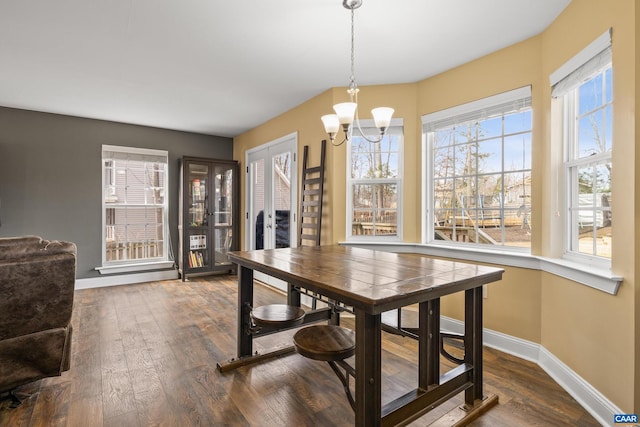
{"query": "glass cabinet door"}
pixel 198 194
pixel 198 219
pixel 223 212
pixel 207 227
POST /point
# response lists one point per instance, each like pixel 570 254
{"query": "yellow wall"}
pixel 594 333
pixel 636 220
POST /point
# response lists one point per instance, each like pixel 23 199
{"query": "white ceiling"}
pixel 223 67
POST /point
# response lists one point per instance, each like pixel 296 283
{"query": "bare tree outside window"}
pixel 374 182
pixel 482 180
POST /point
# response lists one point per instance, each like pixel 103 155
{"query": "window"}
pixel 135 205
pixel 587 97
pixel 478 180
pixel 374 184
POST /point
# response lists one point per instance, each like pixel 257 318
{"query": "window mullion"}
pixel 479 181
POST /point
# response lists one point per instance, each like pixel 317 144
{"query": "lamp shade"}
pixel 345 111
pixel 382 117
pixel 331 123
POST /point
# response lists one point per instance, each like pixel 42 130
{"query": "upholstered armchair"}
pixel 37 280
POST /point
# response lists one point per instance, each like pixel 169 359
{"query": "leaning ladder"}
pixel 311 206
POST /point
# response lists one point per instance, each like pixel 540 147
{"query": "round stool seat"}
pixel 277 315
pixel 325 342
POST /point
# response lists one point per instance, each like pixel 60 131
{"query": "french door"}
pixel 271 189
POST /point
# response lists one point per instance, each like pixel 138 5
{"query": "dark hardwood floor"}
pixel 146 355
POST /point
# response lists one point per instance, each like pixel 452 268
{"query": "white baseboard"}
pixel 126 279
pixel 591 399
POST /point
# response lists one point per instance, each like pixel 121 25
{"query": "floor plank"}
pixel 145 355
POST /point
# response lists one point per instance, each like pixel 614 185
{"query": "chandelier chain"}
pixel 353 87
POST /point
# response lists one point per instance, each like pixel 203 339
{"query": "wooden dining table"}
pixel 371 283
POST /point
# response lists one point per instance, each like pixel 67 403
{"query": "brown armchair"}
pixel 37 280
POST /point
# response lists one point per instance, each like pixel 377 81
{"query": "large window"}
pixel 587 98
pixel 135 205
pixel 374 184
pixel 478 181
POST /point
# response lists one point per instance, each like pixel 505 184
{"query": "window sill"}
pixel 601 279
pixel 598 278
pixel 127 268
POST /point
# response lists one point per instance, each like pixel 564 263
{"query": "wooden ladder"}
pixel 311 201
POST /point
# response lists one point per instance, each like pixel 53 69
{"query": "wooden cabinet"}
pixel 208 220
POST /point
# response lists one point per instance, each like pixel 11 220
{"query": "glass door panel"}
pixel 223 213
pixel 198 194
pixel 257 189
pixel 223 242
pixel 198 219
pixel 282 198
pixel 223 196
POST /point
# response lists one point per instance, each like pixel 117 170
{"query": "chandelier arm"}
pixel 356 122
pixel 339 143
pixel 361 132
pixel 373 141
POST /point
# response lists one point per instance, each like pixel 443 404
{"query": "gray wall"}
pixel 50 175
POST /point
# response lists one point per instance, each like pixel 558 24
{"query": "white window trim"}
pixel 428 236
pixel 561 87
pixel 132 265
pixel 368 123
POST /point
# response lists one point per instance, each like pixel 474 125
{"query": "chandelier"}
pixel 346 113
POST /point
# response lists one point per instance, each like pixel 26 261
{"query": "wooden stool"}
pixel 332 344
pixel 278 316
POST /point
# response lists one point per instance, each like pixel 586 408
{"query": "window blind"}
pixel 586 71
pixel 506 102
pixel 584 65
pixel 127 153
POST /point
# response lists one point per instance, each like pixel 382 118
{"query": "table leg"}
pixel 293 296
pixel 368 367
pixel 473 342
pixel 429 344
pixel 245 302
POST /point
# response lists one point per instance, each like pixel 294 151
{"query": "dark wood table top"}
pixel 373 281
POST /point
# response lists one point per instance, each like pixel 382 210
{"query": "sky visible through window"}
pixel 482 180
pixel 589 165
